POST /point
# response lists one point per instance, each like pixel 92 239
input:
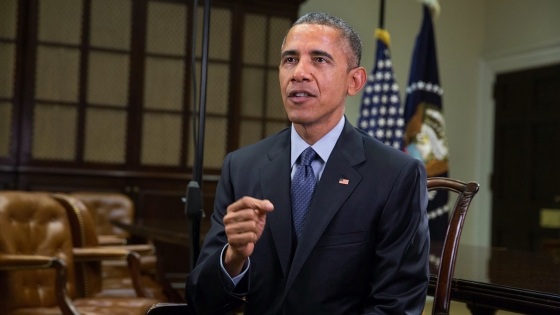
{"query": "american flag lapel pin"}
pixel 343 181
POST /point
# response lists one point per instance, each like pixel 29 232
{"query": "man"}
pixel 341 229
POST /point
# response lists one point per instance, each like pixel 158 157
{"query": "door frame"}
pixel 541 54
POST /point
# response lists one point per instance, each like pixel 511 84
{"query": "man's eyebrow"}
pixel 288 53
pixel 321 53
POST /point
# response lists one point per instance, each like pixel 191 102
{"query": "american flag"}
pixel 381 112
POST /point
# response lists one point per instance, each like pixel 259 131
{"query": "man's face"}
pixel 314 76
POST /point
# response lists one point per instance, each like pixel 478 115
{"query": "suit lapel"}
pixel 329 195
pixel 275 184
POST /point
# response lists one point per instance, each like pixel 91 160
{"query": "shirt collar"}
pixel 323 147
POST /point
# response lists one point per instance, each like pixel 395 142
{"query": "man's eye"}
pixel 290 59
pixel 320 59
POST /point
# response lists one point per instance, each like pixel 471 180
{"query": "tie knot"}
pixel 307 156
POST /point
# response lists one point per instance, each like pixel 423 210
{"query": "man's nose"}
pixel 302 71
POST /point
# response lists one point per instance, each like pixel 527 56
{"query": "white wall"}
pixel 468 33
pixel 515 26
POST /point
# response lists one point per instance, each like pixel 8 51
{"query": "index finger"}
pixel 251 203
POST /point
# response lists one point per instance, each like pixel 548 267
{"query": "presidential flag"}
pixel 381 113
pixel 425 126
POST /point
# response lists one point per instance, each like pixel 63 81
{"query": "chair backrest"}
pixel 104 207
pixel 33 224
pixel 466 192
pixel 88 274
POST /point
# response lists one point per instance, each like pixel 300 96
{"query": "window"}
pixel 108 82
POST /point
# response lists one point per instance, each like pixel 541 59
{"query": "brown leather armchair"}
pixel 37 274
pixel 89 274
pixel 104 207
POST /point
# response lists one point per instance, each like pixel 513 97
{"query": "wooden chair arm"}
pixel 87 254
pixel 108 240
pixel 168 309
pixel 28 262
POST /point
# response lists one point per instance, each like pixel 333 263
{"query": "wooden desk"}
pixel 492 278
pixel 485 278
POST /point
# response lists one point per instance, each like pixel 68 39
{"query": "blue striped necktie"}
pixel 303 185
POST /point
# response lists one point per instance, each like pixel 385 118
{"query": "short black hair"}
pixel 348 33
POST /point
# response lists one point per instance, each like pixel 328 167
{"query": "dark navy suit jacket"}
pixel 364 248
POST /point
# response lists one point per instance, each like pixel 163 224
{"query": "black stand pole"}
pixel 382 14
pixel 193 206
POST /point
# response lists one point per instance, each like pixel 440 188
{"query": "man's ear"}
pixel 357 78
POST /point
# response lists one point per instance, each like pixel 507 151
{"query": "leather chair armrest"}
pixel 27 262
pixel 85 254
pixel 108 240
pixel 142 249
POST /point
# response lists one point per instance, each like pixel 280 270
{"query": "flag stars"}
pixel 429 87
pixel 365 113
pixel 381 103
pixel 400 122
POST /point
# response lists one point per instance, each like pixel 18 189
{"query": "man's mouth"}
pixel 300 95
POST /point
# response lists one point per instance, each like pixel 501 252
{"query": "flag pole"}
pixel 382 14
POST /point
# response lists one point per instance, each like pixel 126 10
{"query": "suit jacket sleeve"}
pixel 400 275
pixel 208 290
